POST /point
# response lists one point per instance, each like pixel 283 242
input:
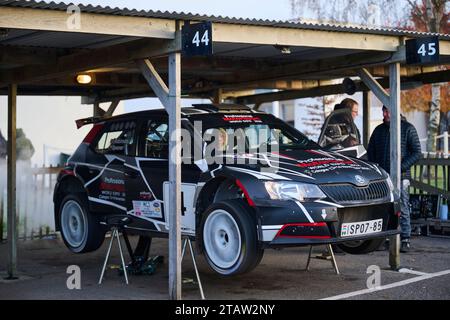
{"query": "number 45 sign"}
pixel 422 50
pixel 197 39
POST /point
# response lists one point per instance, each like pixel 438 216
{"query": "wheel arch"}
pixel 67 185
pixel 208 193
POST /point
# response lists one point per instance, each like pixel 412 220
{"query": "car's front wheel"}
pixel 361 247
pixel 80 230
pixel 229 238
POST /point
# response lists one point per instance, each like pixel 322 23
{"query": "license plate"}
pixel 360 228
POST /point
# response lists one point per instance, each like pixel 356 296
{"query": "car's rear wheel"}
pixel 361 247
pixel 229 238
pixel 80 230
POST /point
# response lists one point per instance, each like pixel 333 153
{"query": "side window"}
pixel 156 139
pixel 117 139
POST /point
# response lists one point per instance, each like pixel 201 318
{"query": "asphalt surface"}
pixel 281 275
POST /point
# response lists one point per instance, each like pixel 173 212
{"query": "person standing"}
pixel 3 147
pixel 379 152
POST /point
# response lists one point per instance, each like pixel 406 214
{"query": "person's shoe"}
pixel 406 246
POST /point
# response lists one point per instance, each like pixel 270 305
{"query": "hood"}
pixel 312 166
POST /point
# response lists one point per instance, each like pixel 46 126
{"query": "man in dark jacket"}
pixel 379 152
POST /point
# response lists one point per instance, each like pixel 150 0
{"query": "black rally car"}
pixel 298 195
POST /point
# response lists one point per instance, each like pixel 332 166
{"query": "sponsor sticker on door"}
pixel 147 209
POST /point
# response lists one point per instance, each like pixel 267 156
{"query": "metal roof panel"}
pixel 61 6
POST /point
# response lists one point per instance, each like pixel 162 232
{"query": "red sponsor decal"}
pixel 323 162
pixel 241 118
pixel 112 187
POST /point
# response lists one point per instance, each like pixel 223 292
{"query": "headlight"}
pixel 293 191
pixel 390 184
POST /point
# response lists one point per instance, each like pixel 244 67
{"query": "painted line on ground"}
pixel 417 273
pixel 389 286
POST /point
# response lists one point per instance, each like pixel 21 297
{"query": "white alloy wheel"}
pixel 222 239
pixel 73 223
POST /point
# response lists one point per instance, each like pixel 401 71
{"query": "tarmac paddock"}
pixel 281 276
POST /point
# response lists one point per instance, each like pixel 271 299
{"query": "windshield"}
pixel 257 138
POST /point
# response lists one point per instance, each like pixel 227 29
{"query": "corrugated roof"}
pixel 61 6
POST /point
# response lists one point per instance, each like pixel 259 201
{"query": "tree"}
pixel 362 12
pixel 420 15
pixel 430 16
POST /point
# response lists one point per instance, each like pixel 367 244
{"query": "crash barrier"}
pixel 34 201
pixel 430 194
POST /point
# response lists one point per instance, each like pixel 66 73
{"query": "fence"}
pixel 444 153
pixel 34 201
pixel 430 185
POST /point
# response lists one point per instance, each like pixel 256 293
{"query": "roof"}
pixel 62 6
pixel 40 53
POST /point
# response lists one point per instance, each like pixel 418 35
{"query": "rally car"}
pixel 279 190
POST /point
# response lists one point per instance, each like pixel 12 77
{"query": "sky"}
pixel 260 9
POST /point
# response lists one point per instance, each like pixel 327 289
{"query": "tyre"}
pixel 361 247
pixel 229 238
pixel 80 230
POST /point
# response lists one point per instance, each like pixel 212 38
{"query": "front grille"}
pixel 348 193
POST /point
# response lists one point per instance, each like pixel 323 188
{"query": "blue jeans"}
pixel 405 217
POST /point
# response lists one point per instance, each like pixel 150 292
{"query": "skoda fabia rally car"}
pixel 293 193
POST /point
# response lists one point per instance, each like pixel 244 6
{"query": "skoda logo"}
pixel 360 180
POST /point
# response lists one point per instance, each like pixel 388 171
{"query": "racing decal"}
pixel 143 195
pixel 213 172
pixel 269 232
pixel 110 159
pixel 147 209
pixel 187 207
pixel 138 162
pixel 329 203
pixel 112 189
pixel 308 216
pixel 242 118
pixel 327 164
pixel 108 203
pixel 158 224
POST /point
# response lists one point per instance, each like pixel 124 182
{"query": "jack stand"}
pixel 333 259
pixel 187 241
pixel 115 234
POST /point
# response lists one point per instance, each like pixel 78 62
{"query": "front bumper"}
pixel 295 224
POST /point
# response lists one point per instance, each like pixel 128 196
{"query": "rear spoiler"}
pixel 84 122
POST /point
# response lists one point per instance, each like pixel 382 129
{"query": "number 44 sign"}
pixel 197 39
pixel 422 50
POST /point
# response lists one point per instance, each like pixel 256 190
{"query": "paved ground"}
pixel 279 276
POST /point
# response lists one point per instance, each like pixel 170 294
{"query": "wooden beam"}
pixel 253 78
pixel 270 35
pixel 11 183
pixel 55 20
pixel 17 56
pixel 154 80
pixel 367 107
pixel 109 56
pixel 395 151
pixel 375 86
pixel 174 110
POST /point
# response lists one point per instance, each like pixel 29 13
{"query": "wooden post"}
pixel 366 117
pixel 395 152
pixel 174 111
pixel 11 185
